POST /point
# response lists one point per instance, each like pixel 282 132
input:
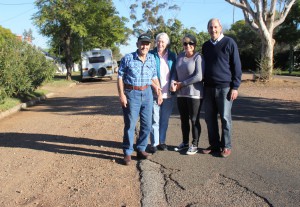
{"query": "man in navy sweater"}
pixel 222 79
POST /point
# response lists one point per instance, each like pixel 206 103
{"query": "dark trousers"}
pixel 189 110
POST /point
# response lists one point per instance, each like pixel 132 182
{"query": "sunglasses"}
pixel 188 43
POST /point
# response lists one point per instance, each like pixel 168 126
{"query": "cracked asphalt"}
pixel 263 169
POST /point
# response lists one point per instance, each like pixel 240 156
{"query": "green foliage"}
pixel 39 69
pixel 22 68
pixel 5 34
pixel 76 25
pixel 290 28
pixel 152 19
pixel 3 95
pixel 248 42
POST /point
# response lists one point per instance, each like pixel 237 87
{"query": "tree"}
pixel 264 16
pixel 152 20
pixel 291 27
pixel 27 34
pixel 74 25
pixel 248 42
pixel 5 34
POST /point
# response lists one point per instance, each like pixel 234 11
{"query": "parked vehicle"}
pixel 97 63
pixel 115 66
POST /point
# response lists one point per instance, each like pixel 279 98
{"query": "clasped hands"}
pixel 175 86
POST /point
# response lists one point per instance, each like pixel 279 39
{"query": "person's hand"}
pixel 157 89
pixel 159 99
pixel 234 94
pixel 178 86
pixel 123 100
pixel 173 86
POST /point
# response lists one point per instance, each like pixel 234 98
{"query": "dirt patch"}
pixel 286 89
pixel 67 151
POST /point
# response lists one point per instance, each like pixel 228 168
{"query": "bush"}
pixel 39 68
pixel 2 95
pixel 23 68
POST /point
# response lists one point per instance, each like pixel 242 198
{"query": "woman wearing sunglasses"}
pixel 188 84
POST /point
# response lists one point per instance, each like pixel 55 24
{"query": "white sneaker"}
pixel 192 150
pixel 181 147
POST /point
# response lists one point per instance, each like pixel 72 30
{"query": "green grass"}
pixel 9 103
pixel 57 82
pixel 75 77
pixel 294 73
pixel 12 102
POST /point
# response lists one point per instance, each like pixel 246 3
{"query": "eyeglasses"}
pixel 188 43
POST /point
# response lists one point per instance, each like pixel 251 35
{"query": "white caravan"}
pixel 97 63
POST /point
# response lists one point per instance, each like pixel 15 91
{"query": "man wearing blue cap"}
pixel 136 74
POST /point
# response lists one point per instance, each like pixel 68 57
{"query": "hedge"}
pixel 23 68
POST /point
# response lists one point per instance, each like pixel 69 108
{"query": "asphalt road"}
pixel 263 169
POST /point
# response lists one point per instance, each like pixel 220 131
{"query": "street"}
pixel 263 169
pixel 67 151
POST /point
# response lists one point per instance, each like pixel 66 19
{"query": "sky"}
pixel 16 15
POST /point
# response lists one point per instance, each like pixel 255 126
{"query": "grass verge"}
pixel 59 81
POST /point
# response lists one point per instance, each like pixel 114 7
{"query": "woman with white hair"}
pixel 165 65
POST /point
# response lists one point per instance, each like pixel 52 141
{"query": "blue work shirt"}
pixel 136 73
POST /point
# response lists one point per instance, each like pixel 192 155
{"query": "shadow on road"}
pixel 251 109
pixel 61 144
pixel 275 111
pixel 88 105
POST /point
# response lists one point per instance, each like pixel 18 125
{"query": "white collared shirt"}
pixel 218 40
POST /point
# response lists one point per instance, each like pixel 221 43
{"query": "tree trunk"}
pixel 267 58
pixel 68 56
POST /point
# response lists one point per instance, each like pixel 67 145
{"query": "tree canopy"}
pixel 153 21
pixel 76 25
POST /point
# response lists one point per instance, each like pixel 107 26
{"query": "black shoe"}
pixel 182 146
pixel 152 149
pixel 142 155
pixel 162 147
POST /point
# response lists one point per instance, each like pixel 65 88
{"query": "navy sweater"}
pixel 222 64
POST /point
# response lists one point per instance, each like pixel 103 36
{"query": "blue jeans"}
pixel 217 101
pixel 160 120
pixel 139 105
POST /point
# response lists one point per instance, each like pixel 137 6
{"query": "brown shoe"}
pixel 142 155
pixel 226 152
pixel 210 150
pixel 127 159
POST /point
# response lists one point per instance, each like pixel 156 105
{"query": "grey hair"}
pixel 213 19
pixel 164 36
